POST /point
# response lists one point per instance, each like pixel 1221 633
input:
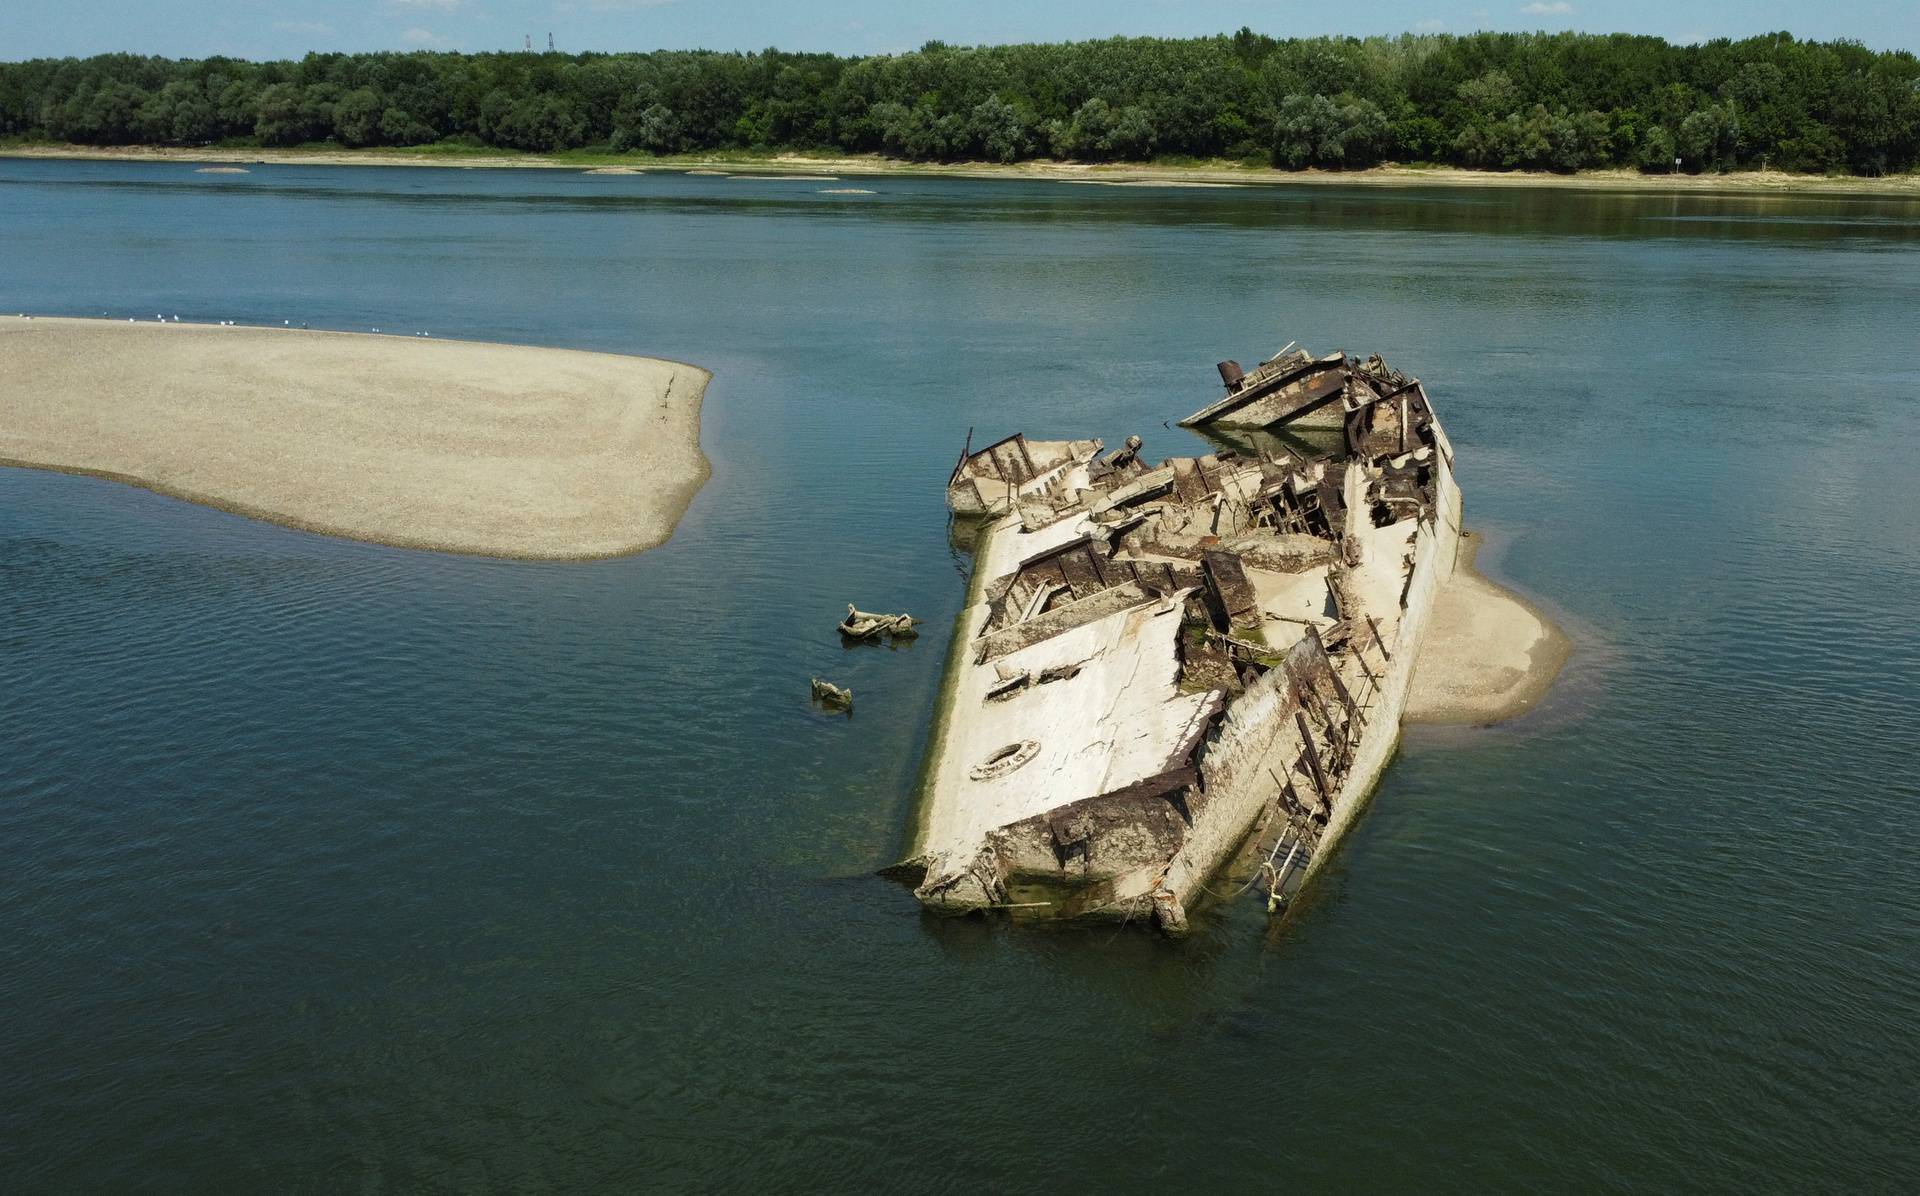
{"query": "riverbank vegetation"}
pixel 1560 102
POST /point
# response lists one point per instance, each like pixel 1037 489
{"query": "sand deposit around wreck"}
pixel 1187 183
pixel 498 450
pixel 1488 656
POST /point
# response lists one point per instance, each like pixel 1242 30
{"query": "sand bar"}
pixel 497 450
pixel 1489 655
pixel 1385 175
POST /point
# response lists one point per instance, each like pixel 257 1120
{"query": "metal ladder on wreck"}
pixel 1299 839
pixel 1293 849
pixel 1292 852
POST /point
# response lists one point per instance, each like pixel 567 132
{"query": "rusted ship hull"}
pixel 992 480
pixel 1159 663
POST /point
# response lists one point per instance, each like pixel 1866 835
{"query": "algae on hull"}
pixel 1161 659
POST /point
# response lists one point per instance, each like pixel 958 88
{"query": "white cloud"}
pixel 309 28
pixel 1559 8
pixel 424 37
pixel 1431 26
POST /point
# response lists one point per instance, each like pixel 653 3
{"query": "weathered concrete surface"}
pixel 1153 682
pixel 1488 656
pixel 1435 557
pixel 1123 719
pixel 497 450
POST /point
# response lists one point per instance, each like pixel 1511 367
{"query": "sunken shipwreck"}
pixel 1164 669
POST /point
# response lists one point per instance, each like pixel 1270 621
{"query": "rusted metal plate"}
pixel 1256 390
pixel 1228 583
pixel 1313 758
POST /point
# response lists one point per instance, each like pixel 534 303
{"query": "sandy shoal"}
pixel 1135 173
pixel 1488 655
pixel 498 450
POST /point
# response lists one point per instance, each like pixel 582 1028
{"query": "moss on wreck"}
pixel 967 533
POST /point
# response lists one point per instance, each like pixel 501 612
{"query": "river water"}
pixel 328 866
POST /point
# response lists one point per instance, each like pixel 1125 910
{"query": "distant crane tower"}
pixel 549 43
pixel 529 43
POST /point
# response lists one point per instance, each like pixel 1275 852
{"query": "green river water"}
pixel 331 867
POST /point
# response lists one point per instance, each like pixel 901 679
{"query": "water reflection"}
pixel 1492 210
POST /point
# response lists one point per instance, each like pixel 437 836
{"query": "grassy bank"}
pixel 1226 173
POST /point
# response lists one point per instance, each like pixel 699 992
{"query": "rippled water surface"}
pixel 326 866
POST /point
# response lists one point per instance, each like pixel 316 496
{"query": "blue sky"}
pixel 288 28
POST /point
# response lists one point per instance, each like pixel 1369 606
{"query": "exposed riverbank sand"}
pixel 1488 654
pixel 1143 174
pixel 498 450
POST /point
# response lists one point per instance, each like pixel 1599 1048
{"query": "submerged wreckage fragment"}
pixel 863 625
pixel 995 479
pixel 832 696
pixel 1160 663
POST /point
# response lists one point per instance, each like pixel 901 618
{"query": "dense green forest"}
pixel 1494 101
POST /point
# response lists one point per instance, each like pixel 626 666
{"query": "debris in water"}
pixel 832 696
pixel 861 625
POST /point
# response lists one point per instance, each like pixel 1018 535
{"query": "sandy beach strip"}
pixel 1488 655
pixel 456 446
pixel 1148 174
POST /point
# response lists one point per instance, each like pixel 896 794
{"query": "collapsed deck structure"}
pixel 1161 665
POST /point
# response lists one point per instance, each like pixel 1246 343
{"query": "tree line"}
pixel 1493 101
